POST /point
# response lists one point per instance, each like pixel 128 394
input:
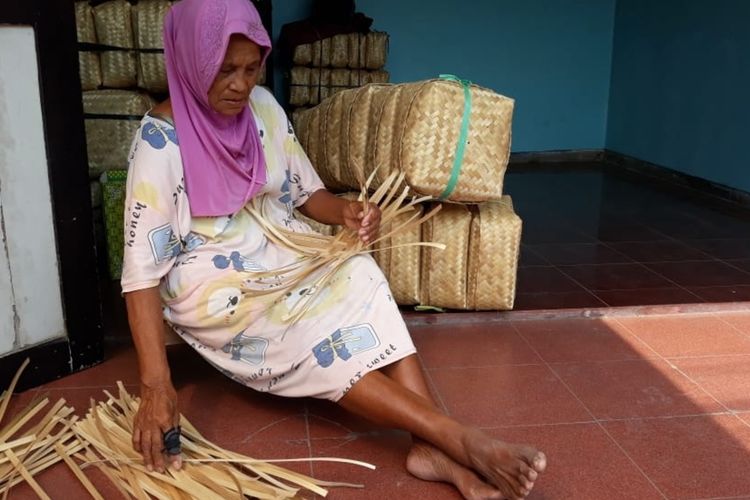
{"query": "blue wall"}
pixel 680 80
pixel 553 57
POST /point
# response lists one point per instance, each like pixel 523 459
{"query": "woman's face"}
pixel 236 78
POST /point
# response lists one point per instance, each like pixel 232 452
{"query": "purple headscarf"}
pixel 222 156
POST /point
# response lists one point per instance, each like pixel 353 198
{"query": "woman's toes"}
pixel 540 462
pixel 529 473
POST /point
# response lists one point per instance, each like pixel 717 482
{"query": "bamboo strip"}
pixel 25 473
pixel 9 393
pixel 78 472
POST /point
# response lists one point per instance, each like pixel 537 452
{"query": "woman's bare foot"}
pixel 430 464
pixel 511 468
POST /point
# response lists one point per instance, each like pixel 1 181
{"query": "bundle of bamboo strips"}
pixel 321 256
pixel 103 440
pixel 208 471
pixel 25 449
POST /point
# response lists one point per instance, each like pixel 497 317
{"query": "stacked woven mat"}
pixel 451 140
pixel 331 65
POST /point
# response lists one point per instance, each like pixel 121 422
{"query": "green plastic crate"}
pixel 113 194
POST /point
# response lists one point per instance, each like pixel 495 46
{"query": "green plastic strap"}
pixel 429 308
pixel 461 146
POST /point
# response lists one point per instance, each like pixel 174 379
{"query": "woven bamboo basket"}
pixel 321 53
pixel 148 26
pixel 299 90
pixel 379 76
pixel 401 264
pixel 444 273
pixel 376 49
pixel 335 123
pixel 495 242
pixel 364 113
pixel 357 50
pixel 340 51
pixel 112 118
pixel 340 80
pixel 320 80
pixel 114 28
pixel 428 157
pixel 113 197
pixel 297 119
pixel 418 131
pixel 89 66
pixel 302 55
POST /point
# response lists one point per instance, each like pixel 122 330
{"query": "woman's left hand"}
pixel 365 224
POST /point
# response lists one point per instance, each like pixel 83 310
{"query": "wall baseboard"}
pixel 671 177
pixel 627 164
pixel 561 156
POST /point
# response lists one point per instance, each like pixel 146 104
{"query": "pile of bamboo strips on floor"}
pixel 102 439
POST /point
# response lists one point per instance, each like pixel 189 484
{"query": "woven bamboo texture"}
pixel 477 270
pixel 444 273
pixel 309 86
pixel 417 132
pixel 148 25
pixel 114 28
pixel 376 49
pixel 113 198
pixel 108 140
pixel 402 264
pixel 495 242
pixel 89 66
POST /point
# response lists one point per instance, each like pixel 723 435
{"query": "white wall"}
pixel 30 299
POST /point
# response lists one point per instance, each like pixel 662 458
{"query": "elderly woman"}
pixel 193 250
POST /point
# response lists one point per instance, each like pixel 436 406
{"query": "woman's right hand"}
pixel 156 414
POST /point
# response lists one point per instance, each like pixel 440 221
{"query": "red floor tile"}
pixel 608 232
pixel 727 378
pixel 575 340
pixel 559 300
pixel 530 258
pixel 743 264
pixel 736 293
pixel 471 346
pixel 691 457
pixel 583 464
pixel 507 395
pixel 648 296
pixel 701 273
pixel 544 279
pixel 730 248
pixel 386 450
pixel 579 253
pixel 327 420
pixel 740 321
pixel 615 277
pixel 635 389
pixel 687 335
pixel 658 251
pixel 278 449
pixel 59 482
pixel 229 413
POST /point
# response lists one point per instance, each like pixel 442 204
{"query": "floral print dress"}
pixel 204 267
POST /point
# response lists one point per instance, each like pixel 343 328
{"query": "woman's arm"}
pixel 157 412
pixel 326 208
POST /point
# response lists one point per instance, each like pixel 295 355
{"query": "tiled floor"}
pixel 592 238
pixel 626 407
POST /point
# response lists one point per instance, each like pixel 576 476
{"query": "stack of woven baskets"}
pixel 330 65
pixel 451 140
